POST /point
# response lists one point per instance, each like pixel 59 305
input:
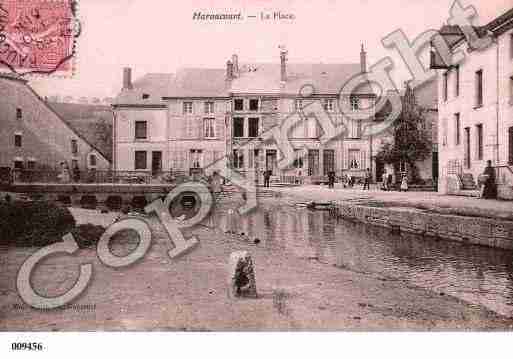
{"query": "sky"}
pixel 161 36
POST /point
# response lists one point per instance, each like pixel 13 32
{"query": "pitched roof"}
pixel 153 84
pixel 325 78
pixel 91 122
pixel 254 78
pixel 198 82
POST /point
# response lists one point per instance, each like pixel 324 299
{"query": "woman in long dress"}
pixel 490 187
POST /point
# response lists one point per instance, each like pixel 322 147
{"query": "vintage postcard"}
pixel 255 165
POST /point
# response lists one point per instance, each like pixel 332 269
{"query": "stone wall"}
pixel 475 230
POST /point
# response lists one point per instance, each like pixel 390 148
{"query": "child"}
pixel 404 183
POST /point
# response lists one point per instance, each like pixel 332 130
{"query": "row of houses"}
pixel 188 120
pixel 184 122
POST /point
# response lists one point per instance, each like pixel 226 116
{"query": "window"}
pixel 467 158
pixel 355 103
pixel 140 160
pixel 445 86
pixel 140 130
pixel 18 164
pixel 298 159
pixel 329 105
pixel 457 81
pixel 354 159
pixel 209 127
pixel 17 140
pixel 355 128
pixel 457 128
pixel 31 164
pixel 187 107
pixel 311 128
pixel 196 158
pixel 253 127
pixel 253 104
pixel 238 158
pixel 145 96
pixel 479 134
pixel 209 107
pixel 238 104
pixel 253 158
pixel 299 105
pixel 479 88
pixel 238 127
pixel 74 147
pixel 92 160
pixel 19 114
pixel 74 164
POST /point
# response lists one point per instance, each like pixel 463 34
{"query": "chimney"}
pixel 235 62
pixel 127 78
pixel 363 60
pixel 229 70
pixel 283 61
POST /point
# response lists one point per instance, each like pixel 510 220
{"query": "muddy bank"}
pixel 295 293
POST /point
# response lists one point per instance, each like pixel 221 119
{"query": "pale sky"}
pixel 160 35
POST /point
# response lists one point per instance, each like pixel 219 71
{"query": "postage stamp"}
pixel 38 37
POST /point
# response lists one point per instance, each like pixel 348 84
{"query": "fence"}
pixel 92 176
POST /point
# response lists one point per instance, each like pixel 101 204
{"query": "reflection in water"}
pixel 476 274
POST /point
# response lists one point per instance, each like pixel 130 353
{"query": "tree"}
pixel 412 142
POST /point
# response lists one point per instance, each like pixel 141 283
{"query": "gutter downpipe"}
pixel 497 102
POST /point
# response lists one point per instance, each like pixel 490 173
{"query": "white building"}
pixel 476 108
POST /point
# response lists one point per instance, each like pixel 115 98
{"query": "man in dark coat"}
pixel 331 179
pixel 490 187
pixel 267 177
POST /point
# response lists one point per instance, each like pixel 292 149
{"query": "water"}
pixel 478 275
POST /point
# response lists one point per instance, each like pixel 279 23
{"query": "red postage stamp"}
pixel 38 36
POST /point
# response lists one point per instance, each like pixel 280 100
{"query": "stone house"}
pixel 185 121
pixel 33 136
pixel 475 101
pixel 171 122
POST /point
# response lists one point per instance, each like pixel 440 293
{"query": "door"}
pixel 467 158
pixel 328 161
pixel 271 161
pixel 156 162
pixel 313 162
pixel 380 169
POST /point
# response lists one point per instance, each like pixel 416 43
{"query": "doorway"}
pixel 271 158
pixel 156 162
pixel 328 161
pixel 313 162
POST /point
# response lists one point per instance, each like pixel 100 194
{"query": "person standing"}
pixel 489 187
pixel 331 179
pixel 404 183
pixel 366 183
pixel 267 177
pixel 384 179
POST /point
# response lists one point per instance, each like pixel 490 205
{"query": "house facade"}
pixel 267 95
pixel 165 122
pixel 33 136
pixel 476 108
pixel 185 121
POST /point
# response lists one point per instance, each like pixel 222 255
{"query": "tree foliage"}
pixel 412 142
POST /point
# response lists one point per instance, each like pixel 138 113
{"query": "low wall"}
pixel 475 230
